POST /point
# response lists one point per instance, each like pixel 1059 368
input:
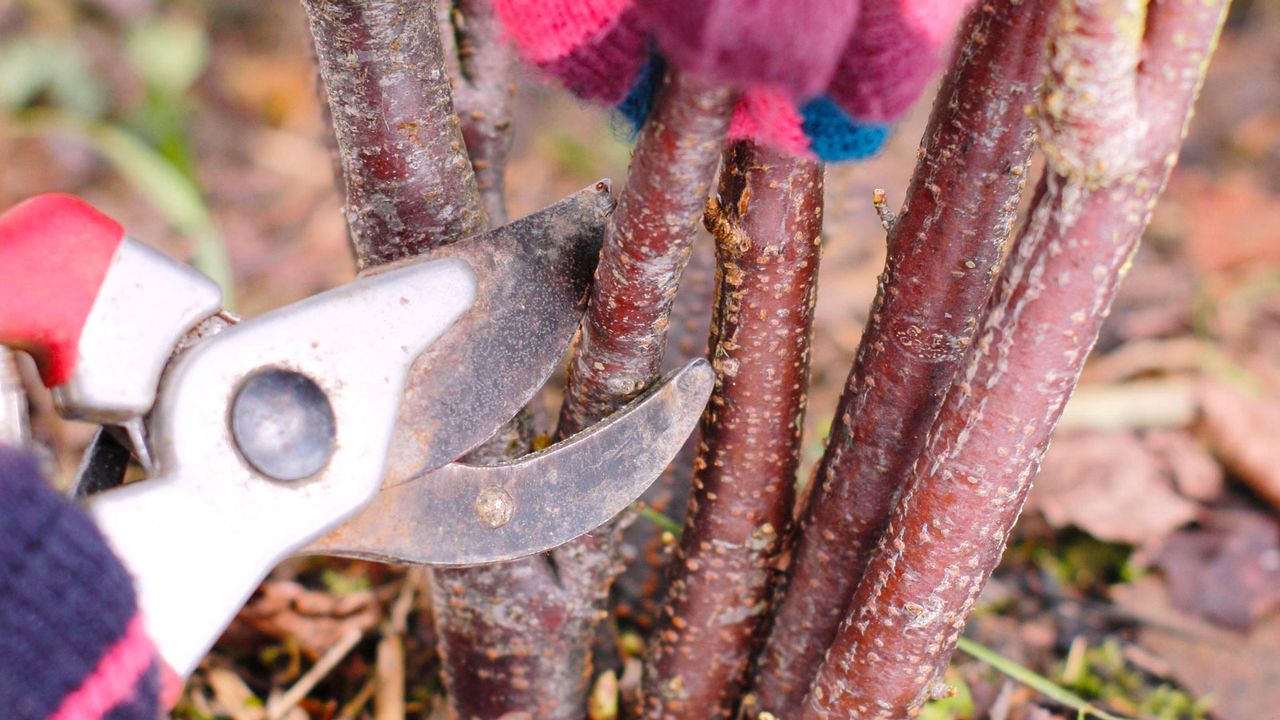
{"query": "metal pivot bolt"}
pixel 494 507
pixel 283 424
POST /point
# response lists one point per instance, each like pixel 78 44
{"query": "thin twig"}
pixel 388 699
pixel 353 707
pixel 305 684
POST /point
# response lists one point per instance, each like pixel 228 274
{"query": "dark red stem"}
pixel 950 526
pixel 767 223
pixel 481 64
pixel 408 183
pixel 944 250
pixel 521 634
pixel 646 250
pixel 638 592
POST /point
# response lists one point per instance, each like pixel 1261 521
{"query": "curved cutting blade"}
pixel 471 514
pixel 534 275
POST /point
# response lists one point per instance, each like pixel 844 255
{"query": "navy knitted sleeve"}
pixel 72 644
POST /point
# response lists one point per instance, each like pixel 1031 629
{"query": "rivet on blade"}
pixel 494 507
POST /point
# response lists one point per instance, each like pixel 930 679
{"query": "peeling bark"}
pixel 944 250
pixel 950 526
pixel 767 223
pixel 523 631
pixel 409 187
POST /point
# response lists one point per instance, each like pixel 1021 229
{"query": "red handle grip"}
pixel 55 251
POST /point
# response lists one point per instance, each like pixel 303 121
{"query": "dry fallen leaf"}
pixel 1242 431
pixel 1195 473
pixel 317 620
pixel 1231 221
pixel 233 695
pixel 1227 570
pixel 1238 671
pixel 1111 486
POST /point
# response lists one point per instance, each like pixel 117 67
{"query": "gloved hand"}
pixel 820 78
pixel 72 644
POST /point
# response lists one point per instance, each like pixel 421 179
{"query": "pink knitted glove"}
pixel 895 49
pixel 873 58
pixel 789 46
pixel 595 47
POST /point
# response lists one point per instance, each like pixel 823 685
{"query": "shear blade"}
pixel 472 514
pixel 533 276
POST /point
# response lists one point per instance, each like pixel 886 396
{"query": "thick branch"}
pixel 624 335
pixel 493 622
pixel 524 630
pixel 767 223
pixel 949 528
pixel 409 185
pixel 944 249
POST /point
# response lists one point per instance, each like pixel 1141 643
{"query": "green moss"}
pixel 1076 560
pixel 1103 675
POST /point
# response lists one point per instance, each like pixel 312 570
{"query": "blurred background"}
pixel 1146 572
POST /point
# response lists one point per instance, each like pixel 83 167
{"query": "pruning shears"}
pixel 332 425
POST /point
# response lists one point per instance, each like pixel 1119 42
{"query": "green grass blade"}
pixel 662 521
pixel 1033 680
